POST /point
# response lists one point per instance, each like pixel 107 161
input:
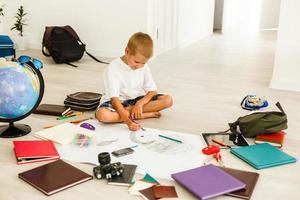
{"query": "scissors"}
pixel 213 152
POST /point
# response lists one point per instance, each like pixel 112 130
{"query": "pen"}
pixel 66 111
pixel 220 143
pixel 143 129
pixel 81 120
pixel 169 138
pixel 134 146
pixel 65 117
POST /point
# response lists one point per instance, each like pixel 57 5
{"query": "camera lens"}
pixel 104 158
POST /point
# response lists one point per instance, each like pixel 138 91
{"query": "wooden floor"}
pixel 207 81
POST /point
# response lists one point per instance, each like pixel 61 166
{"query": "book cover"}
pixel 126 178
pixel 275 139
pixel 249 178
pixel 139 185
pixel 263 155
pixel 208 181
pixel 54 177
pixel 28 151
pixel 148 193
pixel 162 191
pixel 50 109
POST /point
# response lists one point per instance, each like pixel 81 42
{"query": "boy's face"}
pixel 136 61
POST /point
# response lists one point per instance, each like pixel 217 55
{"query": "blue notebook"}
pixel 208 181
pixel 263 155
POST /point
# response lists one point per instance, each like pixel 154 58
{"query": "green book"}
pixel 263 155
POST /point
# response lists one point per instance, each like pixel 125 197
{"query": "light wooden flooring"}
pixel 207 81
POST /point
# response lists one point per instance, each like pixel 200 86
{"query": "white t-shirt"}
pixel 125 83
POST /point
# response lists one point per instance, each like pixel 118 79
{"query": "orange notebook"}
pixel 275 139
pixel 28 151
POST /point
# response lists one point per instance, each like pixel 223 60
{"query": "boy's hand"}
pixel 132 125
pixel 137 111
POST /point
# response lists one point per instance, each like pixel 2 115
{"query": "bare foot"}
pixel 151 115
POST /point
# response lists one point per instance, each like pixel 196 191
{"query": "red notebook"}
pixel 275 139
pixel 28 151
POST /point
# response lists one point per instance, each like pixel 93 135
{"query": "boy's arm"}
pixel 124 114
pixel 137 110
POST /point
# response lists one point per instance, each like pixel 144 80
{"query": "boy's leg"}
pixel 162 102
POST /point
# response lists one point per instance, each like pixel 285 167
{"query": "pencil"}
pixel 65 117
pixel 81 120
pixel 66 111
pixel 169 138
pixel 220 143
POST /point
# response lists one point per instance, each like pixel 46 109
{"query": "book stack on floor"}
pixel 274 139
pixel 28 151
pixel 151 189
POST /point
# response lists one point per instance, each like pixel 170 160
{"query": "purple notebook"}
pixel 208 181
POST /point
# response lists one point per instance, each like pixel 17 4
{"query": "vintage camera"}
pixel 106 169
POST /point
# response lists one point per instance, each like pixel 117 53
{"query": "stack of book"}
pixel 274 139
pixel 202 183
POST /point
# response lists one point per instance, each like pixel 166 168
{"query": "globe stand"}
pixel 12 131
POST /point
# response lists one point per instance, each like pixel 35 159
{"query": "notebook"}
pixel 148 193
pixel 54 177
pixel 162 191
pixel 139 185
pixel 50 109
pixel 207 181
pixel 64 133
pixel 249 178
pixel 28 151
pixel 275 139
pixel 126 178
pixel 263 155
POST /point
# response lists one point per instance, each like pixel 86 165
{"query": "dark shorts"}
pixel 126 103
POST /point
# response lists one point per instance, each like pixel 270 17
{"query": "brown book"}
pixel 54 177
pixel 249 178
pixel 50 109
pixel 148 193
pixel 161 191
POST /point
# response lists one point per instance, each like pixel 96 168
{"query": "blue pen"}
pixel 169 138
pixel 134 146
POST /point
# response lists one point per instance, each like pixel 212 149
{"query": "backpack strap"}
pixel 279 107
pixel 95 58
pixel 71 64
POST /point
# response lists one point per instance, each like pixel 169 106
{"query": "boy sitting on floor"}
pixel 130 92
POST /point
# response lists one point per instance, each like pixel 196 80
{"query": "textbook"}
pixel 262 156
pixel 275 139
pixel 202 182
pixel 126 178
pixel 54 177
pixel 249 178
pixel 28 151
pixel 50 109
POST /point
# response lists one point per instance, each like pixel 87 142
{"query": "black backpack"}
pixel 64 45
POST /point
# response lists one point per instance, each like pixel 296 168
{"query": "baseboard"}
pixel 285 85
pixel 95 52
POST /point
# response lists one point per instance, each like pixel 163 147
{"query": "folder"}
pixel 207 181
pixel 28 151
pixel 263 155
pixel 54 177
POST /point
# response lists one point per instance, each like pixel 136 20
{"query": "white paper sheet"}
pixel 160 158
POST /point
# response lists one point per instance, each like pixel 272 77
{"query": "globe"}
pixel 21 91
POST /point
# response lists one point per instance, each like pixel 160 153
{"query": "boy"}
pixel 130 92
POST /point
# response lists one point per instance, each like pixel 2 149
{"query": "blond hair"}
pixel 140 43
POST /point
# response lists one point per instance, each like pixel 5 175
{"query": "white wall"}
pixel 104 25
pixel 241 15
pixel 195 20
pixel 269 17
pixel 286 72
